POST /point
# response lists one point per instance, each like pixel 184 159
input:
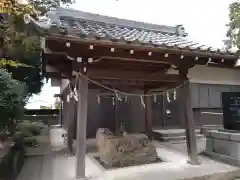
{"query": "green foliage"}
pixel 45 107
pixel 30 142
pixel 20 135
pixel 57 104
pixel 43 6
pixel 22 46
pixel 20 42
pixel 4 63
pixel 30 129
pixel 12 98
pixel 234 25
pixel 25 133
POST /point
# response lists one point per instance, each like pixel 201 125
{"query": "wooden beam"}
pixel 134 76
pixel 120 69
pixel 145 71
pixel 82 49
pixel 60 62
pixel 114 74
pixel 58 57
pixel 111 64
pixel 127 86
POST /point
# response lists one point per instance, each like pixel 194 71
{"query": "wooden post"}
pixel 188 119
pixel 117 123
pixel 61 112
pixel 70 125
pixel 64 112
pixel 81 125
pixel 163 110
pixel 148 115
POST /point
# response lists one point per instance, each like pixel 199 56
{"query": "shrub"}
pixel 30 142
pixel 18 139
pixel 30 129
pixel 12 98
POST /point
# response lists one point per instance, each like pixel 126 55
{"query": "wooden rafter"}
pixel 143 47
pixel 116 54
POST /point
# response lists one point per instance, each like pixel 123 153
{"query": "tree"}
pixel 57 104
pixel 43 6
pixel 234 25
pixel 21 44
pixel 45 107
pixel 12 98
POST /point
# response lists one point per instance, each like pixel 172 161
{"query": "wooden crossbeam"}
pixel 132 76
pixel 122 75
pixel 83 50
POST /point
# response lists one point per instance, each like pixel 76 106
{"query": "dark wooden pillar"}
pixel 163 111
pixel 148 115
pixel 70 124
pixel 64 112
pixel 188 118
pixel 61 112
pixel 117 122
pixel 81 122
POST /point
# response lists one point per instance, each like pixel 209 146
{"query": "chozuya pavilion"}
pixel 120 56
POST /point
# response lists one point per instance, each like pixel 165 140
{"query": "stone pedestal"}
pixel 224 145
pixel 130 149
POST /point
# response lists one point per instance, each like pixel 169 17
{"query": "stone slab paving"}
pixel 58 166
pixel 32 169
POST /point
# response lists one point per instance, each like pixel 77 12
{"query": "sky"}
pixel 204 21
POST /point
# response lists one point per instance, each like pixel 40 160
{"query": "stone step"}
pixel 177 138
pixel 173 135
pixel 171 132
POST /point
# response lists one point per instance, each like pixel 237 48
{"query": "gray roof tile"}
pixel 78 23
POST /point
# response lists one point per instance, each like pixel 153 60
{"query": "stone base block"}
pixel 205 128
pixel 224 146
pixel 224 158
pixel 130 149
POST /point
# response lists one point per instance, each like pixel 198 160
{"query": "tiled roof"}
pixel 87 25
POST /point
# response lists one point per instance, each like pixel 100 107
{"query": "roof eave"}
pixel 150 47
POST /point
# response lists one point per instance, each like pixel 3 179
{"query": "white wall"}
pixel 212 75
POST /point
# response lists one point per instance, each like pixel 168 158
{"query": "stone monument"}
pixel 130 149
pixel 224 144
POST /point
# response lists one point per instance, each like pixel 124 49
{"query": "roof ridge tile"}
pixel 77 14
